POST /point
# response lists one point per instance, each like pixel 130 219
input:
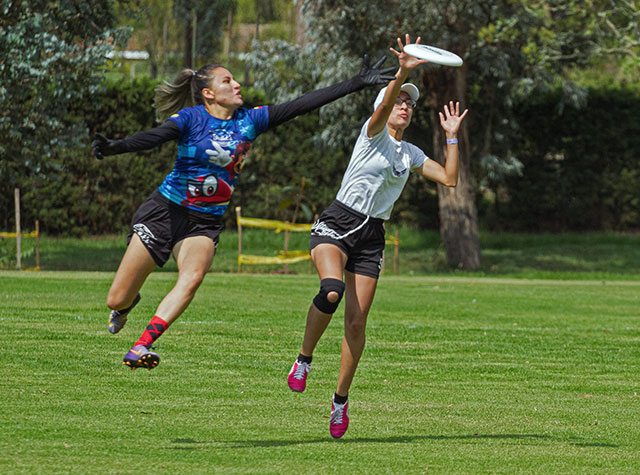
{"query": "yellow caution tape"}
pixel 12 235
pixel 392 240
pixel 289 257
pixel 273 224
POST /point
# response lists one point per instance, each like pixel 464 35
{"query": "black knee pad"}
pixel 326 286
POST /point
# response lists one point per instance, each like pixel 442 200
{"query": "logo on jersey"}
pixel 399 168
pixel 221 144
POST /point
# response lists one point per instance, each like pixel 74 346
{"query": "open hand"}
pixel 372 75
pixel 451 119
pixel 406 60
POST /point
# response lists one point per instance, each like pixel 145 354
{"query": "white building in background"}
pixel 131 56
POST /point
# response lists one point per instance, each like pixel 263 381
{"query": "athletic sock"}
pixel 340 399
pixel 156 327
pixel 304 359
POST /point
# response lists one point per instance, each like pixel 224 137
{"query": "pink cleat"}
pixel 339 422
pixel 298 376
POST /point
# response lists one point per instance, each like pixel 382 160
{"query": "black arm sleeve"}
pixel 150 138
pixel 283 112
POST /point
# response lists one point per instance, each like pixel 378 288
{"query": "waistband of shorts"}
pixel 358 214
pixel 206 217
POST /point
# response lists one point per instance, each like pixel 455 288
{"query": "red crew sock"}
pixel 156 327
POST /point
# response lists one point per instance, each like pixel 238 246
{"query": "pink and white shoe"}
pixel 298 376
pixel 339 422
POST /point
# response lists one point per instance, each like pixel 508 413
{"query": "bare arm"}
pixel 447 175
pixel 381 114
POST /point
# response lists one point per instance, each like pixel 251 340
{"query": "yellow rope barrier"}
pixel 12 235
pixel 392 240
pixel 273 224
pixel 289 257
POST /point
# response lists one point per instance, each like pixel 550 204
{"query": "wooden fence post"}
pixel 315 220
pixel 37 244
pixel 18 229
pixel 238 216
pixel 287 235
pixel 396 254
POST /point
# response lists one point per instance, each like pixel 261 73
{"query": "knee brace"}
pixel 328 285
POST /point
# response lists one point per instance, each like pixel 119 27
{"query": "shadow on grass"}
pixel 190 444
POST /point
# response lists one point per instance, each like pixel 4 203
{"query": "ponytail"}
pixel 185 91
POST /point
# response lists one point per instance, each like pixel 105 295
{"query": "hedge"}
pixel 581 170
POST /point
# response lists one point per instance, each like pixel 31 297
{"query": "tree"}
pixel 156 30
pixel 203 27
pixel 51 56
pixel 510 49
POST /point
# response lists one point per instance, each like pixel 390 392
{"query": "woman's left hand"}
pixel 451 119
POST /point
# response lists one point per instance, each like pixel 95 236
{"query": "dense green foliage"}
pixel 581 166
pixel 581 170
pixel 459 375
pixel 52 57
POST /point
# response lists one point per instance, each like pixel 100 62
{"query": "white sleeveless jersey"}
pixel 377 172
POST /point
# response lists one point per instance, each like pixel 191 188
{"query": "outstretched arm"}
pixel 144 140
pixel 368 76
pixel 382 113
pixel 450 122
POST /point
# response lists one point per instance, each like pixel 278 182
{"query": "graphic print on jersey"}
pixel 210 157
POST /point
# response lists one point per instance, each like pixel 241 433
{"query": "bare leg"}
pixel 329 261
pixel 194 256
pixel 135 267
pixel 359 294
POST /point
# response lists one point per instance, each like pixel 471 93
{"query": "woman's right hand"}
pixel 406 61
pixel 103 146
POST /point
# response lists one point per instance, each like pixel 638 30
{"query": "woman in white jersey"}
pixel 348 237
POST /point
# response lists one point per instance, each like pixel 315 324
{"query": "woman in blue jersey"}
pixel 348 237
pixel 183 216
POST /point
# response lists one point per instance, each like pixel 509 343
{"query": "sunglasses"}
pixel 411 104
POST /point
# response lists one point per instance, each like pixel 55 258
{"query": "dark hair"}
pixel 184 91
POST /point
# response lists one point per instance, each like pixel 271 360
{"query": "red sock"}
pixel 156 327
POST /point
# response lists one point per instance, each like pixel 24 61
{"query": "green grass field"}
pixel 460 375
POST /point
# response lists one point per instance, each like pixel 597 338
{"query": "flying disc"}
pixel 433 54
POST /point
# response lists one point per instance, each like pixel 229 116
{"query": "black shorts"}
pixel 362 242
pixel 161 224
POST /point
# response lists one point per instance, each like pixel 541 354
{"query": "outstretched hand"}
pixel 103 146
pixel 451 119
pixel 372 75
pixel 405 60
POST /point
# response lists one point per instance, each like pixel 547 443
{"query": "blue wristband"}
pixel 452 141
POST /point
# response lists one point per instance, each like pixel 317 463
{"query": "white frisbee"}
pixel 433 54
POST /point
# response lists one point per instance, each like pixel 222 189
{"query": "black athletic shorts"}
pixel 361 239
pixel 161 224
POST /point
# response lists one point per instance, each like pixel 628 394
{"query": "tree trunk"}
pixel 229 36
pixel 188 40
pixel 299 24
pixel 458 213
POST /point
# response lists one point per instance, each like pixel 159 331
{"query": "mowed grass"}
pixel 460 375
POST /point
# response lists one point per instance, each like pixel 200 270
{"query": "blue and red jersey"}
pixel 210 156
